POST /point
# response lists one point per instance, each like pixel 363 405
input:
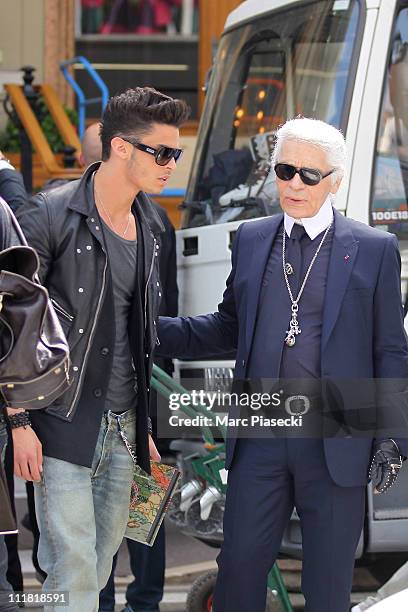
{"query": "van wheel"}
pixel 201 595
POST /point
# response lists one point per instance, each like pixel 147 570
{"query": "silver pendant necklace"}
pixel 294 329
pixel 110 218
pixel 289 269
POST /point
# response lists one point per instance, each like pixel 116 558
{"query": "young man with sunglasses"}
pixel 99 242
pixel 313 308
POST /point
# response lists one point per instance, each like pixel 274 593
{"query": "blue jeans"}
pixel 82 514
pixel 145 592
pixel 5 587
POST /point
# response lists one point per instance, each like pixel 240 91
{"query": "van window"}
pixel 389 208
pixel 296 60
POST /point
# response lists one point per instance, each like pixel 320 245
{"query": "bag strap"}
pixel 8 225
pixel 5 225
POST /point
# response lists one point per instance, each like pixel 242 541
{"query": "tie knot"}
pixel 297 233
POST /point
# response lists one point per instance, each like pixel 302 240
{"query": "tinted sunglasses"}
pixel 308 176
pixel 162 155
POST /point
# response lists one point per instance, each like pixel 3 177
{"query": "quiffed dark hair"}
pixel 133 112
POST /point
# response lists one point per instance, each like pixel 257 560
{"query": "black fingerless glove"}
pixel 385 465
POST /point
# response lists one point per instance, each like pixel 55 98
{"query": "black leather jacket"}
pixel 64 227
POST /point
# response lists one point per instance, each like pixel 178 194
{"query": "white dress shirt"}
pixel 5 164
pixel 313 225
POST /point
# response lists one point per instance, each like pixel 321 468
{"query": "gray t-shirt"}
pixel 121 394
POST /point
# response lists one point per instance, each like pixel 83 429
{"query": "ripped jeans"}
pixel 82 514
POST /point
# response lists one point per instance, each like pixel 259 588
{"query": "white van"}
pixel 342 61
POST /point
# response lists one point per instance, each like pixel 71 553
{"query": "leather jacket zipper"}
pixel 147 282
pixel 95 320
pixel 58 308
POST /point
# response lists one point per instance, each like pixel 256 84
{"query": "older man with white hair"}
pixel 312 297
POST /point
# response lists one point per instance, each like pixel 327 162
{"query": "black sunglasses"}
pixel 162 155
pixel 308 176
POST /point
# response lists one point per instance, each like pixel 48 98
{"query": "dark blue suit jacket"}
pixel 363 334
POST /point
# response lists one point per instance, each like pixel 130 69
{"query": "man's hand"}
pixel 153 452
pixel 28 457
pixel 385 465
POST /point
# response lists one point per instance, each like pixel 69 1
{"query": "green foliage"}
pixel 9 138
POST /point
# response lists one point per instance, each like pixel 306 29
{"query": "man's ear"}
pixel 119 147
pixel 336 185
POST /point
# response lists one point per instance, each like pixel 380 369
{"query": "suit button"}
pixel 104 351
pixel 243 363
pixel 97 392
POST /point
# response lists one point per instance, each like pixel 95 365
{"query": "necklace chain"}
pixel 294 328
pixel 110 218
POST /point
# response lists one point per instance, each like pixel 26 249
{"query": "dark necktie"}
pixel 294 257
pixel 289 359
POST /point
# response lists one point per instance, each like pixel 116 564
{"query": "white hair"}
pixel 317 133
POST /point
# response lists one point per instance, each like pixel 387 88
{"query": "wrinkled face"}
pixel 141 168
pixel 297 199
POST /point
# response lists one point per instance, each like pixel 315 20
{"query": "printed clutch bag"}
pixel 150 498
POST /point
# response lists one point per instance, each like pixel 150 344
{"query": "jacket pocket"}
pixel 65 318
pixel 61 311
pixel 60 409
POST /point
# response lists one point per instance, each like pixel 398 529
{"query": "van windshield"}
pixel 296 61
pixel 389 198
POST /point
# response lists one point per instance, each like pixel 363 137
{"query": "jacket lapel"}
pixel 261 249
pixel 343 256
